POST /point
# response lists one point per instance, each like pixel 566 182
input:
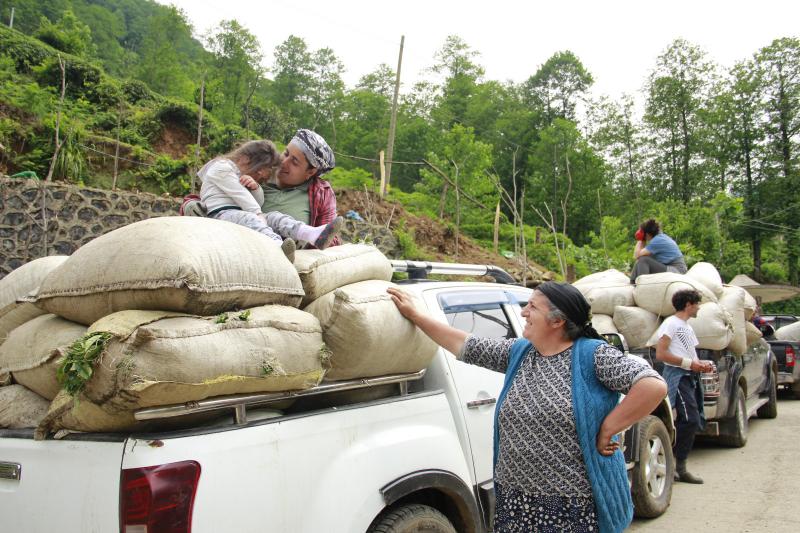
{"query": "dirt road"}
pixel 750 489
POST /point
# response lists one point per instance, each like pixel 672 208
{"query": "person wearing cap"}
pixel 297 189
pixel 558 466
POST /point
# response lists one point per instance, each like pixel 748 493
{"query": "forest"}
pixel 713 153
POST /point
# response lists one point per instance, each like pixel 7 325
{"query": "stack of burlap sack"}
pixel 173 309
pixel 636 311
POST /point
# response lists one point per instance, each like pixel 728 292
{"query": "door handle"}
pixel 10 470
pixel 474 404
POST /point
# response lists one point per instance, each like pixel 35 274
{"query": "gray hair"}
pixel 571 329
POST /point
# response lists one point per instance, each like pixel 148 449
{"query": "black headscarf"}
pixel 571 302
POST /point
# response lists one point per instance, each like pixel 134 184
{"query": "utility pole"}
pixel 393 120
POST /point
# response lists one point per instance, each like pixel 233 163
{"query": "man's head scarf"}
pixel 571 302
pixel 316 150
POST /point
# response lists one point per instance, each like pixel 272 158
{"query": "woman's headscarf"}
pixel 571 302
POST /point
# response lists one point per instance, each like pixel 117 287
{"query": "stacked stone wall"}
pixel 76 215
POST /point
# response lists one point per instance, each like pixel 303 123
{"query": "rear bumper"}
pixel 786 378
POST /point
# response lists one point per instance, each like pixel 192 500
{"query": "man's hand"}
pixel 702 366
pixel 248 181
pixel 605 445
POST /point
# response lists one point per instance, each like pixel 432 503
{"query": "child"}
pixel 224 198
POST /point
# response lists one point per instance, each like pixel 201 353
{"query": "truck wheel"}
pixel 652 476
pixel 796 391
pixel 735 435
pixel 413 518
pixel 770 409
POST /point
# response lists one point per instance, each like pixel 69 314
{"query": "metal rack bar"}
pixel 239 402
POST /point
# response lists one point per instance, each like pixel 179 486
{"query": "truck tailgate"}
pixel 62 485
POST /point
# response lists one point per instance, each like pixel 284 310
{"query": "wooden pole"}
pixel 393 119
pixel 497 227
pixel 116 155
pixel 383 174
pixel 199 131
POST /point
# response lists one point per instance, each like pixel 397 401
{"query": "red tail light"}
pixel 158 499
pixel 789 356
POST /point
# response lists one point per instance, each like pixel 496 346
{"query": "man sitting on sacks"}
pixel 659 254
pixel 297 189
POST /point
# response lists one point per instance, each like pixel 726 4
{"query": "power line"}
pixel 112 155
pixel 378 160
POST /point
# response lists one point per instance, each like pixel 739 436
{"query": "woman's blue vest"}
pixel 591 403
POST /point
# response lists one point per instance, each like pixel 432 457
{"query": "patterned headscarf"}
pixel 316 150
pixel 571 302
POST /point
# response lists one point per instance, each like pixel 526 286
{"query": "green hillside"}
pixel 714 157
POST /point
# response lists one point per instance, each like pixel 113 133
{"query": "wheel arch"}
pixel 439 489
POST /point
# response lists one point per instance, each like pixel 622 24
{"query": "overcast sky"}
pixel 617 41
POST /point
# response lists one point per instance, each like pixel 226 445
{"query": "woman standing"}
pixel 557 465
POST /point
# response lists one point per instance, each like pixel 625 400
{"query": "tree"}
pixel 292 79
pixel 558 85
pixel 327 90
pixel 780 64
pixel 69 35
pixel 237 69
pixel 455 61
pixel 615 133
pixel 677 90
pixel 159 55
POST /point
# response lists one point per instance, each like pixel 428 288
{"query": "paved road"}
pixel 750 489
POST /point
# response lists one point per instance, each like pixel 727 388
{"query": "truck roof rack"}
pixel 240 402
pixel 418 270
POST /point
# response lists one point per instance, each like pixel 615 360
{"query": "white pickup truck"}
pixel 391 454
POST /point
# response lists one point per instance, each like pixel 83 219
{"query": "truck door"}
pixel 486 313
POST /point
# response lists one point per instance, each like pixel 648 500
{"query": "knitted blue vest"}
pixel 591 403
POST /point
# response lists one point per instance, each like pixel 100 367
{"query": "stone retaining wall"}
pixel 75 215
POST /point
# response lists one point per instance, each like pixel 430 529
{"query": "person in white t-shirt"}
pixel 682 369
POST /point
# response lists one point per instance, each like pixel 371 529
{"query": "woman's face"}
pixel 537 325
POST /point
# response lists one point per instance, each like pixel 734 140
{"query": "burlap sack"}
pixel 708 275
pixel 21 408
pixel 194 265
pixel 603 324
pixel 752 332
pixel 732 300
pixel 605 298
pixel 789 332
pixel 322 271
pixel 712 326
pixel 604 278
pixel 32 352
pixel 19 283
pixel 366 333
pixel 654 291
pixel 750 305
pixel 635 324
pixel 154 361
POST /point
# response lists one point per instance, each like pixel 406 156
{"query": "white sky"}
pixel 617 40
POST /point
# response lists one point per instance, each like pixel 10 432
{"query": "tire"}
pixel 735 434
pixel 796 391
pixel 413 518
pixel 770 409
pixel 652 476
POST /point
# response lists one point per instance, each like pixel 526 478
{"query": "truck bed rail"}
pixel 240 402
